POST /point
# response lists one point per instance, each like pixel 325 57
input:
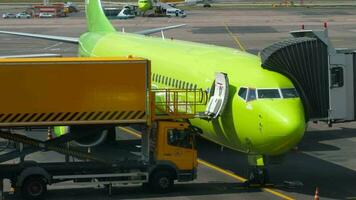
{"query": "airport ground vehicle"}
pixel 108 94
pixel 46 15
pixel 175 12
pixel 8 15
pixel 71 7
pixel 126 13
pixel 23 16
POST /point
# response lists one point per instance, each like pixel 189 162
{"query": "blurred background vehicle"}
pixel 46 15
pixel 23 15
pixel 8 15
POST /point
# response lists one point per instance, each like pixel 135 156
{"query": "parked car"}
pixel 46 15
pixel 8 15
pixel 23 15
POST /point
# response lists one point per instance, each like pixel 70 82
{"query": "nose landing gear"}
pixel 258 176
pixel 258 173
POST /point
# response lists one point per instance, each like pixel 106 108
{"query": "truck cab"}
pixel 175 155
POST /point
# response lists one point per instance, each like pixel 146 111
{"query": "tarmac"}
pixel 326 156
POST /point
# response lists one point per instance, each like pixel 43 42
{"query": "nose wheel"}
pixel 257 176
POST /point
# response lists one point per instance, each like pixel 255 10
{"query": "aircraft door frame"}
pixel 219 98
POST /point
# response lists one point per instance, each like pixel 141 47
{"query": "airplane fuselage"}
pixel 267 126
pixel 145 5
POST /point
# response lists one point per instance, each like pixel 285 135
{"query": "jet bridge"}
pixel 323 75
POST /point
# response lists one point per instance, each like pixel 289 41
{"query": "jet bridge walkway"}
pixel 324 76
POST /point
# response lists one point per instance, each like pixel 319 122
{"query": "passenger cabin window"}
pixel 179 138
pixel 268 94
pixel 242 93
pixel 289 93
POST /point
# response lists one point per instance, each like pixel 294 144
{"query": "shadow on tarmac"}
pixel 334 181
pixel 180 190
pixel 316 136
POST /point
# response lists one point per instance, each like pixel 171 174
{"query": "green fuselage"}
pixel 144 5
pixel 263 126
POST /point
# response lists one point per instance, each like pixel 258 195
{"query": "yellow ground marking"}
pixel 237 41
pixel 216 168
pixel 241 179
pixel 279 194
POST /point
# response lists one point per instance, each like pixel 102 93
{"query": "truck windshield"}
pixel 179 138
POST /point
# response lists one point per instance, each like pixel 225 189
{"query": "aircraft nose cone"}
pixel 282 129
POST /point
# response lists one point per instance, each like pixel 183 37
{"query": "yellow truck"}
pixel 92 97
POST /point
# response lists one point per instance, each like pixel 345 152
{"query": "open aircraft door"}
pixel 219 97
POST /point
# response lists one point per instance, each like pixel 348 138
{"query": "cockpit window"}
pixel 289 93
pixel 251 94
pixel 268 93
pixel 242 93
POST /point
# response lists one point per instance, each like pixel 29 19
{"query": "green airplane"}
pixel 262 115
pixel 145 5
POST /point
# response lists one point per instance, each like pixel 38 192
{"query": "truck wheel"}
pixel 161 181
pixel 34 187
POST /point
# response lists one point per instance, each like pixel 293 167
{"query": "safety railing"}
pixel 177 103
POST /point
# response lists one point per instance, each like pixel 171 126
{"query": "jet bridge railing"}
pixel 177 103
